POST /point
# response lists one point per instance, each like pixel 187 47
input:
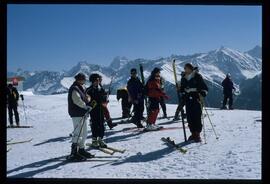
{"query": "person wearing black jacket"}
pixel 192 87
pixel 98 94
pixel 126 105
pixel 228 91
pixel 136 97
pixel 12 104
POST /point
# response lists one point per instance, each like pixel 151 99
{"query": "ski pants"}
pixel 138 112
pixel 163 105
pixel 10 114
pixel 226 96
pixel 79 124
pixel 153 110
pixel 97 122
pixel 126 106
pixel 194 113
pixel 106 112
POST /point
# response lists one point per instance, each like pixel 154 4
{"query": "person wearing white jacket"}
pixel 77 109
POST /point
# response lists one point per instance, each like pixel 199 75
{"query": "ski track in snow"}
pixel 236 155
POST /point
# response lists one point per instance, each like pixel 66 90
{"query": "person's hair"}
pixel 153 73
pixel 189 65
pixel 80 76
pixel 10 85
pixel 93 77
pixel 133 70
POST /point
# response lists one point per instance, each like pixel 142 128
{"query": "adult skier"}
pixel 105 107
pixel 154 93
pixel 12 104
pixel 98 94
pixel 192 86
pixel 126 105
pixel 136 97
pixel 162 100
pixel 228 89
pixel 77 109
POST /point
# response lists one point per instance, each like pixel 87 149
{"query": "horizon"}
pixel 98 33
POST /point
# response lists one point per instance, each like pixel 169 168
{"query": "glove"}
pixel 203 93
pixel 166 97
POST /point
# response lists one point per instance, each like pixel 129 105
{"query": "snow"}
pixel 236 155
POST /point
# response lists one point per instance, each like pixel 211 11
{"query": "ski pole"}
pixel 202 117
pixel 211 123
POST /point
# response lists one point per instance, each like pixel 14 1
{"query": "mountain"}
pixel 213 65
pixel 255 52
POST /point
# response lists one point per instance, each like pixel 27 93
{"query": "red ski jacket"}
pixel 154 89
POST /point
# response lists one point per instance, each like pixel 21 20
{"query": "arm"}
pixel 203 89
pixel 76 98
pixel 154 90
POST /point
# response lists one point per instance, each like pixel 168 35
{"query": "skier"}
pixel 77 109
pixel 192 86
pixel 126 105
pixel 181 104
pixel 228 89
pixel 12 104
pixel 154 93
pixel 105 108
pixel 136 97
pixel 162 100
pixel 98 94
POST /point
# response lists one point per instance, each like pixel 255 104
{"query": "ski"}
pixel 19 142
pixel 168 117
pixel 10 140
pixel 171 142
pixel 116 149
pixel 179 98
pixel 104 150
pixel 22 126
pixel 159 128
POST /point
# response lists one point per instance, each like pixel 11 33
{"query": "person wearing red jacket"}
pixel 155 94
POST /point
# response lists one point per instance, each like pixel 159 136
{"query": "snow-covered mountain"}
pixel 213 65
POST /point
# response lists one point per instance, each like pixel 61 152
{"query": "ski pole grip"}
pixel 22 97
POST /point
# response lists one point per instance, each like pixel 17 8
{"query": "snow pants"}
pixel 153 110
pixel 79 124
pixel 106 112
pixel 14 109
pixel 226 96
pixel 138 112
pixel 97 121
pixel 194 113
pixel 163 105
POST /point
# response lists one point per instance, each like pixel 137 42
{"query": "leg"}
pixel 77 124
pixel 225 101
pixel 163 107
pixel 230 101
pixel 10 114
pixel 83 134
pixel 16 115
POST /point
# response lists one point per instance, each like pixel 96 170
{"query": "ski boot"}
pixel 165 115
pixel 176 118
pixel 74 155
pixel 197 137
pixel 101 143
pixel 139 125
pixel 84 153
pixel 191 137
pixel 231 108
pixel 151 127
pixel 95 143
pixel 223 107
pixel 111 124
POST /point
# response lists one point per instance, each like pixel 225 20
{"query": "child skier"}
pixel 105 108
pixel 77 109
pixel 98 94
pixel 154 93
pixel 126 105
pixel 192 86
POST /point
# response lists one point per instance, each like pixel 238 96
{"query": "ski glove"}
pixel 203 93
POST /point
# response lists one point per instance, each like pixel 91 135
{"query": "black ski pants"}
pixel 126 106
pixel 97 121
pixel 226 97
pixel 138 112
pixel 194 113
pixel 163 105
pixel 11 109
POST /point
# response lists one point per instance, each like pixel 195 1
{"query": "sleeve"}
pixel 223 83
pixel 202 85
pixel 182 85
pixel 77 100
pixel 17 94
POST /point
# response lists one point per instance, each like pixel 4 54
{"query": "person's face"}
pixel 97 82
pixel 133 74
pixel 100 80
pixel 81 82
pixel 187 70
pixel 157 76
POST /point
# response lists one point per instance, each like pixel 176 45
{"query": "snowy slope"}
pixel 233 156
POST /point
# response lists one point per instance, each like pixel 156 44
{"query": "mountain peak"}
pixel 256 51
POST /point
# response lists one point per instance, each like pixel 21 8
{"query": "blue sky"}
pixel 56 37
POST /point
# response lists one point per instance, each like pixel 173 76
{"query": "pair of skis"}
pixel 108 150
pixel 21 126
pixel 19 142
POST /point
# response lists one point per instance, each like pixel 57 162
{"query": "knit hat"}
pixel 93 77
pixel 80 76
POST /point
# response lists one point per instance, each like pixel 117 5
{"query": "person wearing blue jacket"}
pixel 136 97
